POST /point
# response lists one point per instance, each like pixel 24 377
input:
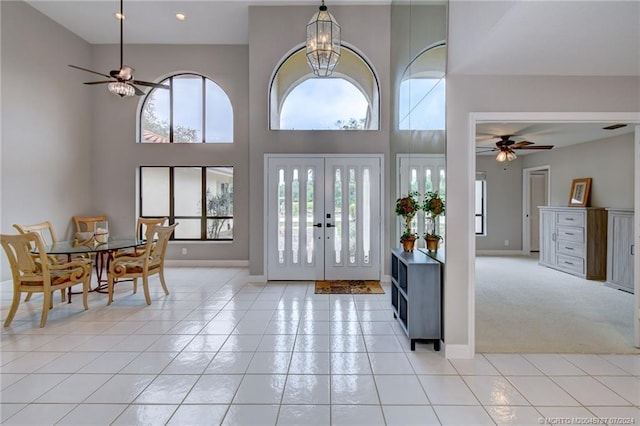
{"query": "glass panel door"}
pixel 294 212
pixel 352 218
pixel 323 218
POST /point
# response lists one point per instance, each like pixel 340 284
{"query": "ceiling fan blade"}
pixel 88 70
pixel 535 147
pixel 98 82
pixel 521 144
pixel 138 91
pixel 149 84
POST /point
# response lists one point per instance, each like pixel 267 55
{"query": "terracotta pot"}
pixel 432 244
pixel 407 244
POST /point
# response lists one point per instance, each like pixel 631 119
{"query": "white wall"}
pixel 364 28
pixel 503 204
pixel 46 123
pixel 609 162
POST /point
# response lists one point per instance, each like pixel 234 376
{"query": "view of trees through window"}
pixel 324 104
pixel 199 198
pixel 193 110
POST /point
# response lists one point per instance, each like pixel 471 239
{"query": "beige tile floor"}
pixel 223 350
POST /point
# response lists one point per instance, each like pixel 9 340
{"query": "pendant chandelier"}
pixel 323 42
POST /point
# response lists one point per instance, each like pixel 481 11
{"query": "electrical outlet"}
pixel 506 244
pixel 184 251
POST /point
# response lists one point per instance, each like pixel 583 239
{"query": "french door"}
pixel 323 218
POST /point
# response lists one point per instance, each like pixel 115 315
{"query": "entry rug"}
pixel 349 287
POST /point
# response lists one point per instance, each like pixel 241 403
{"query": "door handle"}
pixel 318 225
pixel 329 225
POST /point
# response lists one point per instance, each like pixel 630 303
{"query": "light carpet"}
pixel 524 307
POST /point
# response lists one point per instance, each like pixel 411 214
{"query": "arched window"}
pixel 348 100
pixel 422 91
pixel 193 110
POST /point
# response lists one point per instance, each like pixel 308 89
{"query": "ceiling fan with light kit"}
pixel 506 146
pixel 121 82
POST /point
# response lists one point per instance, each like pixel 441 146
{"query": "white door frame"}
pixel 633 118
pixel 526 207
pixel 265 207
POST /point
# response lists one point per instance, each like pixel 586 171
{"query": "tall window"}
pixel 193 110
pixel 349 100
pixel 480 205
pixel 422 103
pixel 422 91
pixel 199 198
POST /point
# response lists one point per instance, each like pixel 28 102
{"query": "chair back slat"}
pixel 43 229
pixel 87 223
pixel 144 223
pixel 157 249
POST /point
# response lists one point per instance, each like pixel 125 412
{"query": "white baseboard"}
pixel 207 263
pixel 386 279
pixel 257 278
pixel 501 253
pixel 458 351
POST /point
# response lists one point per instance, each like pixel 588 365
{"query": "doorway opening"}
pixel 535 192
pixel 631 119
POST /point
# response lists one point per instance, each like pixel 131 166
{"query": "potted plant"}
pixel 433 207
pixel 407 207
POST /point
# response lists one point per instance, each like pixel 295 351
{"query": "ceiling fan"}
pixel 506 145
pixel 120 82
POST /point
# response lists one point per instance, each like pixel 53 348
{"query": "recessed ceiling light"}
pixel 180 16
pixel 119 15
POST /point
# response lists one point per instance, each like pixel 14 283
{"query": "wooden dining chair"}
pixel 150 262
pixel 37 274
pixel 142 224
pixel 145 222
pixel 48 236
pixel 87 223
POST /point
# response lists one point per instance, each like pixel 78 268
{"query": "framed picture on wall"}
pixel 580 192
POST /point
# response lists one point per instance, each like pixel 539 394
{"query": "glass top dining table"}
pixel 103 253
pixel 76 247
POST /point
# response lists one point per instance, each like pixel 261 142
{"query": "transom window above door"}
pixel 194 110
pixel 348 100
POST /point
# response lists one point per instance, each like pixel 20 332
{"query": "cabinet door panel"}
pixel 622 270
pixel 547 237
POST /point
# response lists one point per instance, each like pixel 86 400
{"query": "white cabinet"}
pixel 574 240
pixel 620 249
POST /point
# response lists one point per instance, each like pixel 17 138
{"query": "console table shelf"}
pixel 416 295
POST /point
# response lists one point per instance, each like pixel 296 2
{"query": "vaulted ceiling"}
pixel 500 37
pixel 518 37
